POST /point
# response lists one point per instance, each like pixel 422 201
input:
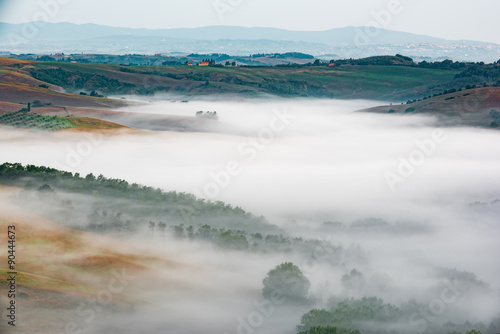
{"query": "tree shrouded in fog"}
pixel 287 280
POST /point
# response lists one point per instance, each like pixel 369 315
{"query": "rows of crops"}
pixel 25 119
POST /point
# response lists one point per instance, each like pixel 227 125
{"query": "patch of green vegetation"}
pixel 110 197
pixel 343 81
pixel 24 119
pixel 371 315
pixel 80 80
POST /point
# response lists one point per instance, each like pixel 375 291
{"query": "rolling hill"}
pixel 472 107
pixel 55 86
pixel 62 269
pixel 369 82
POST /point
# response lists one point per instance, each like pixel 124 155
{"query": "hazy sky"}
pixel 452 19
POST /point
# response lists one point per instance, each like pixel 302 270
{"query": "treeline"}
pixel 371 315
pixel 297 55
pixel 79 80
pixel 238 239
pixel 292 87
pixel 478 70
pixel 128 202
pixel 482 72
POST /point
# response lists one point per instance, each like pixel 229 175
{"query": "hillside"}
pixel 472 107
pixel 75 93
pixel 23 118
pixel 15 92
pixel 347 81
pixel 61 269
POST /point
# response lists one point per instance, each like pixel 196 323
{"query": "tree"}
pixel 230 241
pixel 353 282
pixel 315 318
pixel 321 330
pixel 286 280
pixel 36 104
pixel 45 189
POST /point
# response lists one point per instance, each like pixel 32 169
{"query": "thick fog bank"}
pixel 406 207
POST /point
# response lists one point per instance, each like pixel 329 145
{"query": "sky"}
pixel 450 19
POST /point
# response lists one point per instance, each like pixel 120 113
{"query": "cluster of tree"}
pixel 495 116
pixel 222 237
pixel 472 75
pixel 289 281
pixel 137 203
pixel 373 225
pixel 446 64
pixel 76 80
pixel 38 104
pixel 489 73
pixel 210 61
pixel 372 315
pixel 102 221
pixel 292 87
pixel 24 119
pixel 208 114
pixel 45 58
pixel 400 60
pixel 329 330
pixel 257 242
pixel 454 90
pixel 128 59
pixel 297 55
pixel 128 69
pixel 92 93
pixel 397 60
pixel 218 57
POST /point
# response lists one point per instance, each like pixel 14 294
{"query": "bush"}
pixel 37 104
pixel 288 281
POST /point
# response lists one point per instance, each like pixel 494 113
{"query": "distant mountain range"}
pixel 39 37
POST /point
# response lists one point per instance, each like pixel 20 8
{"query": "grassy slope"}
pixel 14 92
pixel 6 107
pixel 42 121
pixel 469 107
pixel 376 82
pixel 93 123
pixel 60 268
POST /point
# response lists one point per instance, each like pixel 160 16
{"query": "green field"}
pixel 346 81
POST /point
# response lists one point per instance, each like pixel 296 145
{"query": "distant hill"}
pixel 344 42
pixel 344 36
pixel 478 107
pixel 25 82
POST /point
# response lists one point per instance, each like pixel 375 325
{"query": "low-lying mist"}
pixel 395 207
